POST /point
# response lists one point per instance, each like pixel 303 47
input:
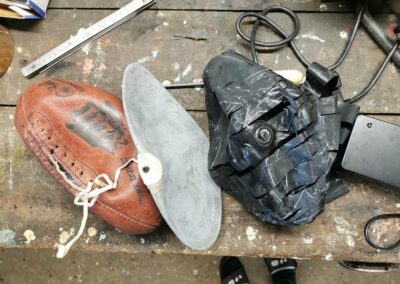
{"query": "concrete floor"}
pixel 40 266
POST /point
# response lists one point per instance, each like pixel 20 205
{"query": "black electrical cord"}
pixel 377 75
pixel 373 220
pixel 261 18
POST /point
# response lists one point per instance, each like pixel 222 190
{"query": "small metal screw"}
pixel 369 124
pixel 264 136
pixel 146 169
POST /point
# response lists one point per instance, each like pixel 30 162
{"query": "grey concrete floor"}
pixel 41 266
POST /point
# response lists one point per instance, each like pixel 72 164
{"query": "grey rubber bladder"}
pixel 172 158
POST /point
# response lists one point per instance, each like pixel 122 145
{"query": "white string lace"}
pixel 87 198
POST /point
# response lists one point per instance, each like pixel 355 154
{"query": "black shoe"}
pixel 282 270
pixel 232 271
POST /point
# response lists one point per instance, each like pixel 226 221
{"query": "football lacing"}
pixel 87 198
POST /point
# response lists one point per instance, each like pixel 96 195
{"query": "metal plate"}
pixel 373 151
pixel 189 200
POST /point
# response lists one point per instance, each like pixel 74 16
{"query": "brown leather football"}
pixel 79 132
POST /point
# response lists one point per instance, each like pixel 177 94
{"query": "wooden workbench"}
pixel 175 39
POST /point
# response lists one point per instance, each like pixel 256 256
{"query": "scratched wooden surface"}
pixel 176 51
pixel 175 46
pixel 229 5
pixel 236 5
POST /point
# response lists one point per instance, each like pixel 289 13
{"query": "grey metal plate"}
pixel 373 150
pixel 189 199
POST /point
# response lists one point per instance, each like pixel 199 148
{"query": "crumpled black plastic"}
pixel 273 144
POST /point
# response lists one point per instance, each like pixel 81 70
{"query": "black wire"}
pixel 377 75
pixel 351 39
pixel 373 220
pixel 261 18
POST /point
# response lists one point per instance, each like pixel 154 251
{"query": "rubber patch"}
pixel 273 144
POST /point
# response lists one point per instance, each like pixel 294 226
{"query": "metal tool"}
pixel 83 36
pixel 172 158
pixel 379 35
pixel 369 267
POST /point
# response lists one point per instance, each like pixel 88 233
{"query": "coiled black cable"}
pixel 373 220
pixel 262 19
